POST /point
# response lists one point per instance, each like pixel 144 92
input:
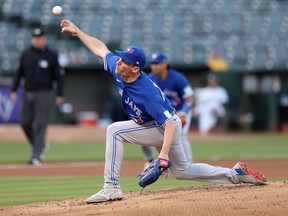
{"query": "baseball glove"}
pixel 153 172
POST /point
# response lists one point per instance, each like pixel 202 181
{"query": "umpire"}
pixel 39 69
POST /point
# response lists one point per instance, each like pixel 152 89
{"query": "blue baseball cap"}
pixel 158 57
pixel 133 55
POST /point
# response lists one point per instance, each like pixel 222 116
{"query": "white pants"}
pixel 149 151
pixel 185 142
pixel 209 115
pixel 206 122
pixel 150 134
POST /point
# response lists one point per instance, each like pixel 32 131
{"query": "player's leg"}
pixel 185 142
pixel 27 116
pixel 42 110
pixel 149 154
pixel 117 133
pixel 181 169
pixel 26 119
pixel 206 173
pixel 126 131
pixel 206 122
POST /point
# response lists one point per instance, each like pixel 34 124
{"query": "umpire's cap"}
pixel 38 32
pixel 133 55
pixel 158 57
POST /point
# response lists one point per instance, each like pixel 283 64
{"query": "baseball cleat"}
pixel 246 175
pixel 45 150
pixel 35 162
pixel 106 194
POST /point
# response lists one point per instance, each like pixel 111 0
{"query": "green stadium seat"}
pixel 188 30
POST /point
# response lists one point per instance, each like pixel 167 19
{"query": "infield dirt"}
pixel 213 200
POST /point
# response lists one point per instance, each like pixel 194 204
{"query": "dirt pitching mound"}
pixel 213 200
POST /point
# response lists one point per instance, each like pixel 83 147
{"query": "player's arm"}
pixel 188 102
pixel 163 117
pixel 187 106
pixel 94 44
pixel 186 93
pixel 169 134
pixel 58 76
pixel 16 82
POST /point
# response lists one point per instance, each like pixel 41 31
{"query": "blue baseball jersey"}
pixel 142 100
pixel 176 87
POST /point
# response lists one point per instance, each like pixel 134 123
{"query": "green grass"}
pixel 246 147
pixel 20 152
pixel 22 190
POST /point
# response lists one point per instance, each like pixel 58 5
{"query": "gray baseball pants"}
pixel 149 151
pixel 150 134
pixel 34 119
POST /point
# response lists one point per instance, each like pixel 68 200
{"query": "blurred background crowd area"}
pixel 249 36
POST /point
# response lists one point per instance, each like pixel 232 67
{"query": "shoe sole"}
pixel 114 199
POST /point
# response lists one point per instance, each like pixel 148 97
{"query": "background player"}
pixel 153 123
pixel 177 88
pixel 210 104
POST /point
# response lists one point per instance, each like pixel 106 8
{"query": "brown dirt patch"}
pixel 76 133
pixel 56 133
pixel 271 168
pixel 205 200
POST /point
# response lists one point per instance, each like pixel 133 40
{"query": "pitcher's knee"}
pixel 179 175
pixel 112 129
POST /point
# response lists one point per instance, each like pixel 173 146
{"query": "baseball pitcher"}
pixel 153 122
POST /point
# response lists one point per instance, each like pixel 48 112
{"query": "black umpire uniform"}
pixel 39 68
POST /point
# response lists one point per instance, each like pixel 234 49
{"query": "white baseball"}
pixel 57 10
